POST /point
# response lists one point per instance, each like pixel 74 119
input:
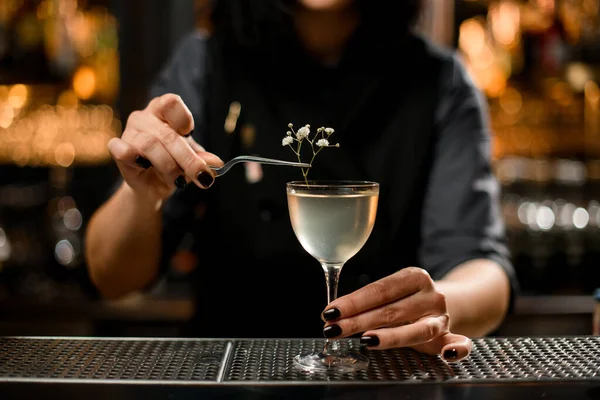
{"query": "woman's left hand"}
pixel 401 310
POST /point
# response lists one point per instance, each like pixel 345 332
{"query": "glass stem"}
pixel 332 276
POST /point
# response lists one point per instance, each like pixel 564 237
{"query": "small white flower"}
pixel 288 133
pixel 329 131
pixel 303 132
pixel 286 141
pixel 322 143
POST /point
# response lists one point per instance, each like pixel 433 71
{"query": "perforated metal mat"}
pixel 251 361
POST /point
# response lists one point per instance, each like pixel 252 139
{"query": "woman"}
pixel 435 269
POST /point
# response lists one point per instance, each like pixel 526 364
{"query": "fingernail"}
pixel 331 314
pixel 143 162
pixel 180 182
pixel 205 179
pixel 369 341
pixel 331 331
pixel 450 354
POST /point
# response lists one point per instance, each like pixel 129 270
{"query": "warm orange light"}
pixel 20 155
pixel 497 148
pixel 7 114
pixel 547 5
pixel 511 101
pixel 590 7
pixel 577 74
pixel 82 33
pixel 18 95
pixel 471 37
pixel 3 93
pixel 84 82
pixel 67 7
pixel 68 99
pixel 562 93
pixel 494 82
pixel 45 9
pixel 484 58
pixel 64 154
pixel 591 91
pixel 505 21
pixel 107 76
pixel 60 135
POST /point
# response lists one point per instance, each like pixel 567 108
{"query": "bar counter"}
pixel 154 368
pixel 164 314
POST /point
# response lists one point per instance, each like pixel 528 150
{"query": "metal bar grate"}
pixel 261 360
pixel 522 359
pixel 110 359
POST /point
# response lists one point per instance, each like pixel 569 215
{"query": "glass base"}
pixel 336 362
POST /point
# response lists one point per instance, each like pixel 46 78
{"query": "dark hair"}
pixel 265 25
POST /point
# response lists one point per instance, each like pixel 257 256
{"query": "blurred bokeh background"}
pixel 71 71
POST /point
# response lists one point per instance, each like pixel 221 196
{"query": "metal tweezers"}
pixel 223 170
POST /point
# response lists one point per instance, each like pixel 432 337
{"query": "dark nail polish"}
pixel 369 341
pixel 143 162
pixel 180 182
pixel 332 331
pixel 451 354
pixel 205 179
pixel 331 314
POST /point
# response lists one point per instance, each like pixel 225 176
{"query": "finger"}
pixel 197 147
pixel 127 157
pixel 391 288
pixel 422 331
pixel 153 150
pixel 451 347
pixel 122 151
pixel 410 308
pixel 210 158
pixel 171 109
pixel 455 347
pixel 194 167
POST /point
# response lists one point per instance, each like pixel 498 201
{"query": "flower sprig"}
pixel 317 142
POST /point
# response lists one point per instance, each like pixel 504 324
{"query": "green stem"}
pixel 311 162
pixel 293 151
pixel 304 173
pixel 314 155
pixel 311 145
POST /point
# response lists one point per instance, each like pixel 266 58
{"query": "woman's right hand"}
pixel 156 154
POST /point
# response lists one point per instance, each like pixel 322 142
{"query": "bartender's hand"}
pixel 401 310
pixel 156 153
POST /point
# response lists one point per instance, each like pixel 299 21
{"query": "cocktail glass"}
pixel 332 221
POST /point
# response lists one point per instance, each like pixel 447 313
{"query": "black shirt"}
pixel 409 118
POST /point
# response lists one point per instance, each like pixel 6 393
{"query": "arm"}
pixel 462 247
pixel 477 297
pixel 133 231
pixel 463 231
pixel 123 243
pixel 124 237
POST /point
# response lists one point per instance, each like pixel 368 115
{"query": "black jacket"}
pixel 408 117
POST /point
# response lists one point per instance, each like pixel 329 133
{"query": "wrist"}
pixel 146 200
